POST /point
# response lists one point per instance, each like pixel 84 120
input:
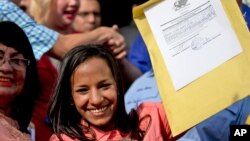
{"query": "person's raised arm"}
pixel 45 40
pixel 101 35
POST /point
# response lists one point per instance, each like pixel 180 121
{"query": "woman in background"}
pixel 19 85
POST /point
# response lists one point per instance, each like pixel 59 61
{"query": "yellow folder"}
pixel 212 92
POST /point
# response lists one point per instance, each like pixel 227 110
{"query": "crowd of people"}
pixel 74 79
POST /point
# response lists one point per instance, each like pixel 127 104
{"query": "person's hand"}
pixel 118 51
pixel 119 46
pixel 107 36
pixel 113 40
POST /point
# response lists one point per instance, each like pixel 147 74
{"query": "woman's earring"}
pixel 71 102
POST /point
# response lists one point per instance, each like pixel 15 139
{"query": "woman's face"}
pixel 11 79
pixel 94 92
pixel 62 13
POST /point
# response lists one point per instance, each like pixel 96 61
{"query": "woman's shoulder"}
pixel 147 107
pixel 54 138
pixel 154 121
pixel 154 110
pixel 9 130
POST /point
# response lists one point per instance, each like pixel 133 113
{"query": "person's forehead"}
pixel 89 6
pixel 93 3
pixel 9 50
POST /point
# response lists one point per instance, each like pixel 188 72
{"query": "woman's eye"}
pixel 105 86
pixel 15 61
pixel 82 90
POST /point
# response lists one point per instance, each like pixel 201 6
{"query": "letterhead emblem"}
pixel 178 4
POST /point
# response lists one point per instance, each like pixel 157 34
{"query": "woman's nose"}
pixel 96 97
pixel 5 66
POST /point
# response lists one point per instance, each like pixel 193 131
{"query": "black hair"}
pixel 13 36
pixel 65 118
pixel 138 2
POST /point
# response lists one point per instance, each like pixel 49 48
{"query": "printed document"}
pixel 193 36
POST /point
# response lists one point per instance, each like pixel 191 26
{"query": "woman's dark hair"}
pixel 13 36
pixel 65 118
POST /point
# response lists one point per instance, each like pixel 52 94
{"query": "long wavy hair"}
pixel 13 36
pixel 65 118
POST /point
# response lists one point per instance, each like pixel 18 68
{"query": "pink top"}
pixel 9 130
pixel 158 128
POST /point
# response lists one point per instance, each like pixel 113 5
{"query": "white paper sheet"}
pixel 194 37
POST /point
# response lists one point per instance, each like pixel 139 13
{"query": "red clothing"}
pixel 158 128
pixel 47 76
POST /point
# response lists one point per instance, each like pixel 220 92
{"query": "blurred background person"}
pixel 88 16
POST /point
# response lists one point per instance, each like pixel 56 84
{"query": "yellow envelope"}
pixel 212 92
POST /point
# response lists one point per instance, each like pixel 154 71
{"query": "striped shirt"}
pixel 41 38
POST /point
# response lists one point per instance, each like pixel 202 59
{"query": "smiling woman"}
pixel 94 92
pixel 18 83
pixel 88 103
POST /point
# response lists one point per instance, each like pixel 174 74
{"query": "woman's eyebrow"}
pixel 12 54
pixel 15 54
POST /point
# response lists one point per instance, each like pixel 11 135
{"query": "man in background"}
pixel 88 16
